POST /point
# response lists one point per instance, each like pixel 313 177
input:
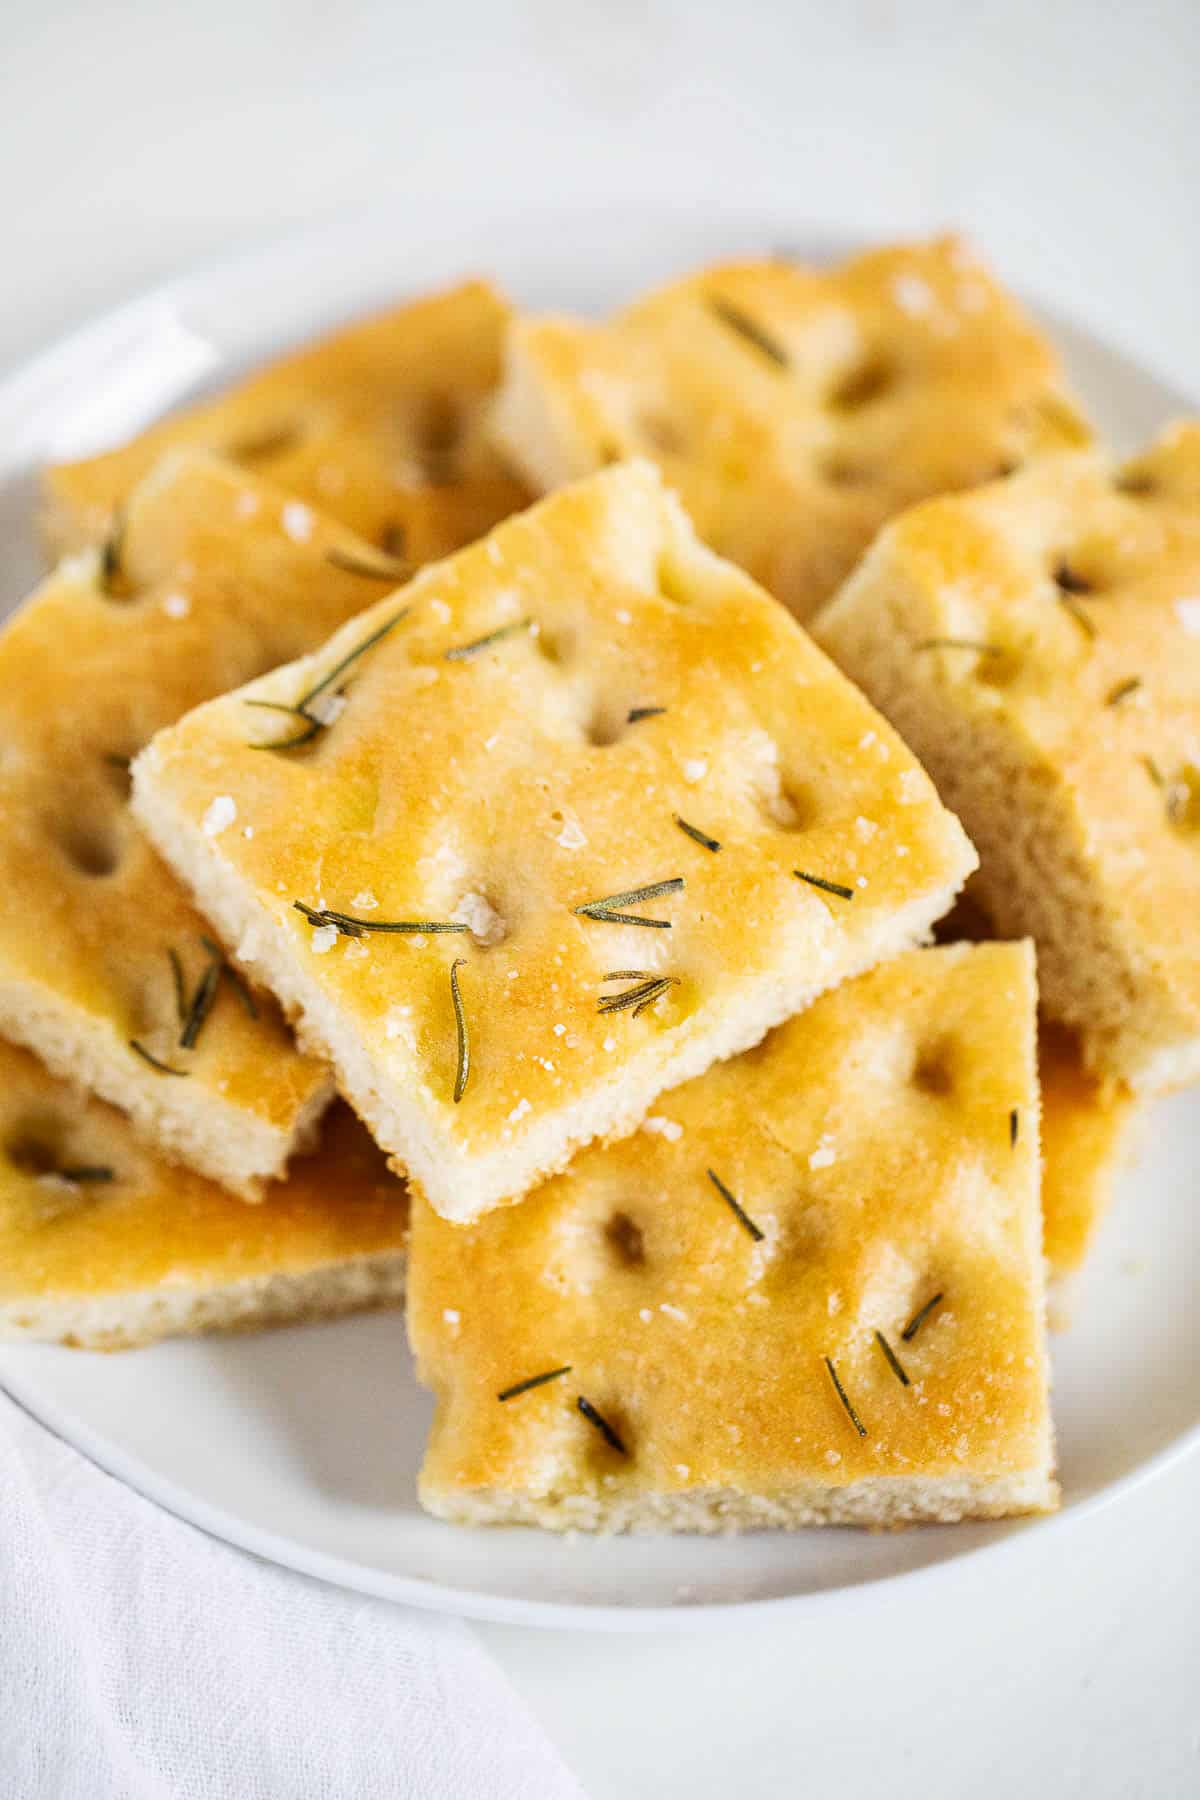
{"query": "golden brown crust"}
pixel 509 787
pixel 210 587
pixel 1085 1123
pixel 1070 742
pixel 378 425
pixel 85 1254
pixel 795 410
pixel 870 1141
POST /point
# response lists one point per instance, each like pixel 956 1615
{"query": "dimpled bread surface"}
pixel 217 576
pixel 871 1144
pixel 523 742
pixel 794 410
pixel 378 425
pixel 1038 644
pixel 105 1246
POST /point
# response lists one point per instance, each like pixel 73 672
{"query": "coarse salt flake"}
pixel 572 836
pixel 866 828
pixel 518 1112
pixel 670 1129
pixel 221 812
pixel 176 606
pixel 323 939
pixel 823 1156
pixel 364 900
pixel 1188 614
pixel 912 787
pixel 297 521
pixel 695 769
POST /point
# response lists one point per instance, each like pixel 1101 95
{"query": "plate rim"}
pixel 19 385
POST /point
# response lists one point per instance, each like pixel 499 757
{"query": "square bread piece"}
pixel 379 425
pixel 1038 644
pixel 808 1291
pixel 213 578
pixel 601 757
pixel 794 409
pixel 104 1246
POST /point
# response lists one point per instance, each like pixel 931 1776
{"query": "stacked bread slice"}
pixel 600 892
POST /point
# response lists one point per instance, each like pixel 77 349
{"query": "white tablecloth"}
pixel 143 1660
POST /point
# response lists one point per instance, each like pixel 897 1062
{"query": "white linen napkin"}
pixel 143 1660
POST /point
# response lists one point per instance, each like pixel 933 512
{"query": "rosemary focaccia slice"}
pixel 1038 644
pixel 106 969
pixel 103 1245
pixel 378 425
pixel 808 1291
pixel 794 409
pixel 595 814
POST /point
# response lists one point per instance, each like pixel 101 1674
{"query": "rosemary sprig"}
pixel 738 1211
pixel 300 708
pixel 1071 583
pixel 461 652
pixel 148 1056
pixel 699 837
pixel 84 1174
pixel 828 887
pixel 532 1381
pixel 1154 772
pixel 844 1397
pixel 979 645
pixel 612 1438
pixel 181 1005
pixel 1123 690
pixel 1014 1127
pixel 1068 602
pixel 201 1004
pixel 349 926
pixel 460 1028
pixel 644 994
pixel 919 1317
pixel 637 713
pixel 732 315
pixel 111 577
pixel 236 979
pixel 894 1363
pixel 608 910
pixel 374 565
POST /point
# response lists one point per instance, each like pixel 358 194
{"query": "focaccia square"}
pixel 794 409
pixel 1038 644
pixel 104 1246
pixel 379 425
pixel 593 813
pixel 105 970
pixel 808 1291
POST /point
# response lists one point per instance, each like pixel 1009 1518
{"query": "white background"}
pixel 136 139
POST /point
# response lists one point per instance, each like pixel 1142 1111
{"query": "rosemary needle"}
pixel 637 713
pixel 608 910
pixel 1014 1126
pixel 1123 690
pixel 1070 604
pixel 460 1027
pixel 373 564
pixel 919 1317
pixel 700 837
pixel 844 1397
pixel 894 1363
pixel 234 976
pixel 593 1417
pixel 350 926
pixel 313 725
pixel 828 887
pixel 461 652
pixel 748 328
pixel 644 994
pixel 86 1173
pixel 181 1006
pixel 532 1381
pixel 162 1067
pixel 202 1004
pixel 739 1212
pixel 112 551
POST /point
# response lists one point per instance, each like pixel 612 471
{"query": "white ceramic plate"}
pixel 304 1445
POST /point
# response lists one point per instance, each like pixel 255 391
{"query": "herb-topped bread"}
pixel 1038 644
pixel 808 1291
pixel 106 969
pixel 594 813
pixel 794 409
pixel 104 1246
pixel 379 426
